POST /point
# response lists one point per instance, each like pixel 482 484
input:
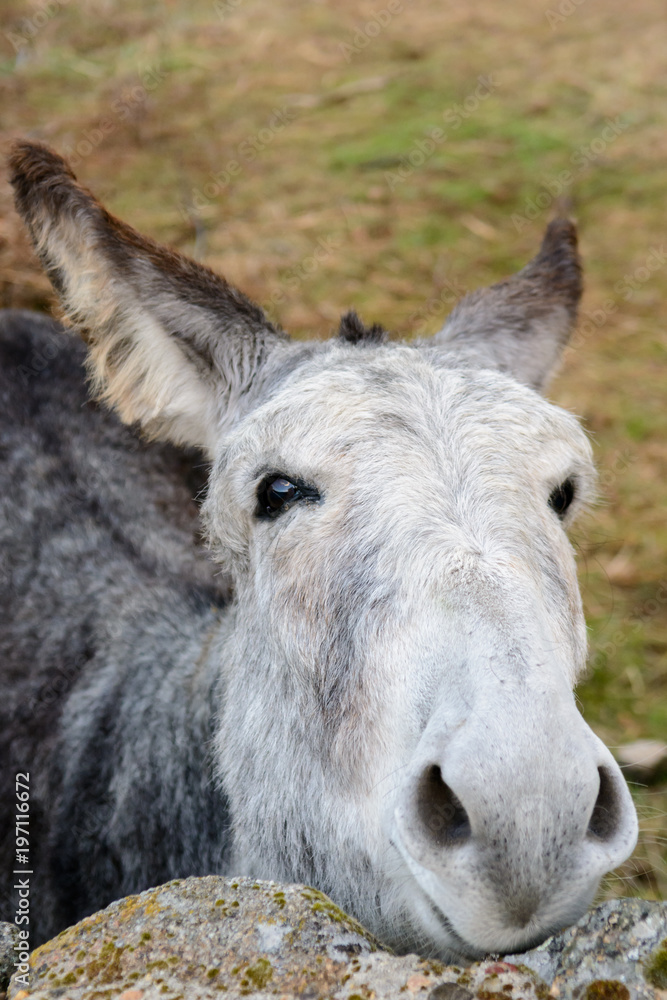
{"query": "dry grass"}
pixel 398 250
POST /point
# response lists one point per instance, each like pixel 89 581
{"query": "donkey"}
pixel 367 685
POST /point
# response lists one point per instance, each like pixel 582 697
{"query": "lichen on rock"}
pixel 207 938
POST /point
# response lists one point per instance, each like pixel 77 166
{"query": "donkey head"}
pixel 399 725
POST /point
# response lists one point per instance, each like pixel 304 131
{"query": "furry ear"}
pixel 171 344
pixel 521 325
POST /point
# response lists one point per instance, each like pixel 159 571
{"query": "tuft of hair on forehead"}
pixel 354 331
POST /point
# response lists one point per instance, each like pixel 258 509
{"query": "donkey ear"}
pixel 171 344
pixel 521 325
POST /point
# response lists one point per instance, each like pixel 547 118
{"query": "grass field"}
pixel 290 145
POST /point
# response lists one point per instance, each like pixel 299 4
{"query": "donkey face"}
pixel 399 725
pixel 411 629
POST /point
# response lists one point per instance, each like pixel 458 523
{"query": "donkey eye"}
pixel 561 498
pixel 277 494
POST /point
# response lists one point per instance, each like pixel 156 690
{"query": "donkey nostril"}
pixel 441 813
pixel 605 818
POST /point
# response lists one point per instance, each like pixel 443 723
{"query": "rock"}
pixel 617 951
pixel 8 939
pixel 206 938
pixel 384 976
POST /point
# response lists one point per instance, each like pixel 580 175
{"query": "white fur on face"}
pixel 425 611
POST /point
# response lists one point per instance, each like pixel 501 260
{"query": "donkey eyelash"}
pixel 278 492
pixel 563 496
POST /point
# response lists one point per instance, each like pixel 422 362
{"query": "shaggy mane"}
pixel 355 331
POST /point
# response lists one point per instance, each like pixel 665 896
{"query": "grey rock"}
pixel 200 939
pixel 386 977
pixel 204 938
pixel 8 938
pixel 450 991
pixel 615 952
pixel 543 960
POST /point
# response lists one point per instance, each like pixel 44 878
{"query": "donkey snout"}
pixel 607 816
pixel 510 846
pixel 612 828
pixel 441 819
pixel 440 816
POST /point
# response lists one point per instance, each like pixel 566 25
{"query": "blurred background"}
pixel 389 156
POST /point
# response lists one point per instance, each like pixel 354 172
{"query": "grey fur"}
pixel 522 324
pixel 370 691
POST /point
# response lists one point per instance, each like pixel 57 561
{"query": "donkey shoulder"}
pixel 98 529
pixel 90 512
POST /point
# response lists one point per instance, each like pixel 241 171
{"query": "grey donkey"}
pixel 353 666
